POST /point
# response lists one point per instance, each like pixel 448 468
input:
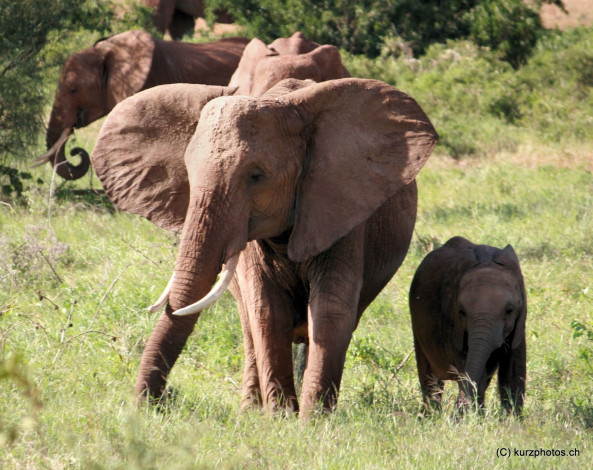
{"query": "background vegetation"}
pixel 514 165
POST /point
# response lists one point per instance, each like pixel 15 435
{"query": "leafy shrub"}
pixel 24 30
pixel 362 27
pixel 511 27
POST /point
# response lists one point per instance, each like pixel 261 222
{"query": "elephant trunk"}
pixel 66 169
pixel 202 252
pixel 56 138
pixel 483 340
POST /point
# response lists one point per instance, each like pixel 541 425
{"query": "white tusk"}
pixel 47 156
pixel 221 285
pixel 163 298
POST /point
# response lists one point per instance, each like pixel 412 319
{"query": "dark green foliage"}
pixel 361 27
pixel 511 27
pixel 11 181
pixel 25 28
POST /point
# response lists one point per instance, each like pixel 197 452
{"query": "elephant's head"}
pixel 303 168
pixel 92 82
pixel 262 66
pixel 490 310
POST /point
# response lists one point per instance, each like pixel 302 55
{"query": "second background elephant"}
pixel 94 80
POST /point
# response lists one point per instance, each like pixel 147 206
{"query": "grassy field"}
pixel 76 277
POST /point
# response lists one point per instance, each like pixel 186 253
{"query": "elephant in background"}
pixel 178 16
pixel 308 200
pixel 94 80
pixel 468 308
pixel 263 66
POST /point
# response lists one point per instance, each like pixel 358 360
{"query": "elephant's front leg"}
pixel 512 372
pixel 250 390
pixel 268 324
pixel 335 279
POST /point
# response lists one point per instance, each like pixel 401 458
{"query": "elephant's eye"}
pixel 72 91
pixel 462 312
pixel 256 176
pixel 509 310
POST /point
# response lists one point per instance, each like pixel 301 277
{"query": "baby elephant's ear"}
pixel 139 152
pixel 368 140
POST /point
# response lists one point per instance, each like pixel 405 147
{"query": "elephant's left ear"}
pixel 508 258
pixel 368 140
pixel 139 154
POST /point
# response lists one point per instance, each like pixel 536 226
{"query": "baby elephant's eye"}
pixel 509 311
pixel 462 312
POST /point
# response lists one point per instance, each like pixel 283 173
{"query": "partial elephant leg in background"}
pixel 250 390
pixel 181 24
pixel 512 371
pixel 270 324
pixel 432 388
pixel 335 278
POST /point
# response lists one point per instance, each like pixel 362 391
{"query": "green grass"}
pixel 76 277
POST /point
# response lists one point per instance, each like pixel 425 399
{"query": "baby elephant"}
pixel 468 309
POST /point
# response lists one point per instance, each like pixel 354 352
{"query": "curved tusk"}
pixel 47 156
pixel 221 285
pixel 160 303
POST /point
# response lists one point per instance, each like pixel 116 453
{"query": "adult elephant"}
pixel 263 66
pixel 178 16
pixel 308 200
pixel 94 80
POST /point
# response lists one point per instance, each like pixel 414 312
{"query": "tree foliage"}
pixel 362 26
pixel 25 29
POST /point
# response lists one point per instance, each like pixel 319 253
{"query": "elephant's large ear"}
pixel 508 258
pixel 368 140
pixel 242 79
pixel 139 152
pixel 128 58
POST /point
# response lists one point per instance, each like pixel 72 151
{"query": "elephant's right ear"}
pixel 252 54
pixel 128 59
pixel 139 152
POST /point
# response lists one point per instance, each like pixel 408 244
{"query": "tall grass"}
pixel 74 286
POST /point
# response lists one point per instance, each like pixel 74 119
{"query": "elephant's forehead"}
pixel 243 125
pixel 237 114
pixel 490 277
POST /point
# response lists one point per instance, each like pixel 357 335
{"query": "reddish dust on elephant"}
pixel 306 202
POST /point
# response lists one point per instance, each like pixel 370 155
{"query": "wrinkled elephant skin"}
pixel 314 190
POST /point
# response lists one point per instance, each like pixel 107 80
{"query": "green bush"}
pixel 511 27
pixel 25 27
pixel 362 27
pixel 480 104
